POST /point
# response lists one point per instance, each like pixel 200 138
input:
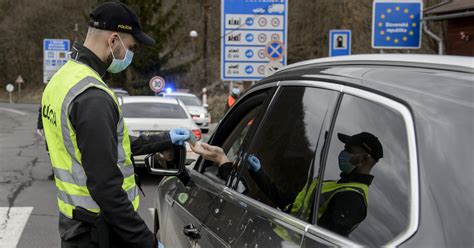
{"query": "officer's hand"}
pixel 179 136
pixel 40 132
pixel 212 153
pixel 253 163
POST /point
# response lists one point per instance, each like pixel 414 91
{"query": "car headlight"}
pixel 203 115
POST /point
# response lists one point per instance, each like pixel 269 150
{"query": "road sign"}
pixel 55 55
pixel 253 34
pixel 274 50
pixel 396 24
pixel 19 80
pixel 157 84
pixel 272 67
pixel 10 88
pixel 339 42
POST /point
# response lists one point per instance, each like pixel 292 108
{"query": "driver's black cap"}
pixel 369 142
pixel 116 16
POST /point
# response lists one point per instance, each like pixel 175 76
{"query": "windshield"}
pixel 189 100
pixel 153 110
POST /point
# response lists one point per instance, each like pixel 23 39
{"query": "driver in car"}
pixel 343 203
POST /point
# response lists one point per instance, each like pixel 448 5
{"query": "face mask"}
pixel 345 164
pixel 119 65
pixel 235 91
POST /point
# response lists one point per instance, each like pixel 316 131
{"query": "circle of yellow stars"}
pixel 389 10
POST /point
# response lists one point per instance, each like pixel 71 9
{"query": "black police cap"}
pixel 369 142
pixel 116 16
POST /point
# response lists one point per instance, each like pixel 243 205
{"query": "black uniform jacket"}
pixel 345 210
pixel 94 116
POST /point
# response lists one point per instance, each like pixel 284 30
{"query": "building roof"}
pixel 450 6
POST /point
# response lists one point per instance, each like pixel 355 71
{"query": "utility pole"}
pixel 76 30
pixel 205 8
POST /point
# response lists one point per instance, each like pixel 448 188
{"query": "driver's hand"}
pixel 212 153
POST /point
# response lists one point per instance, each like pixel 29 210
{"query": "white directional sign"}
pixel 254 33
pixel 55 55
pixel 157 84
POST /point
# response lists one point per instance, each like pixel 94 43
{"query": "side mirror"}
pixel 205 105
pixel 167 163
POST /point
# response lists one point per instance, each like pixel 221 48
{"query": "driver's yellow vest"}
pixel 69 82
pixel 303 204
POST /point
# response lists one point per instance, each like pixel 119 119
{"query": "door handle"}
pixel 191 231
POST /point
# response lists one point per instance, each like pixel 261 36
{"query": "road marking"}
pixel 12 223
pixel 14 111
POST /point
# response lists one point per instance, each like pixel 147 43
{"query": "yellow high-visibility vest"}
pixel 70 81
pixel 302 206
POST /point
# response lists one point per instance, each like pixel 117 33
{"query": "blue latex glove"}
pixel 253 163
pixel 179 136
pixel 160 245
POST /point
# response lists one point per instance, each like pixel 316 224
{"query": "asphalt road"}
pixel 28 210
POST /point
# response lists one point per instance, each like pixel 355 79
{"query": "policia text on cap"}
pixel 89 145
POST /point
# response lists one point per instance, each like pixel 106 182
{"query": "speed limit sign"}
pixel 10 88
pixel 157 84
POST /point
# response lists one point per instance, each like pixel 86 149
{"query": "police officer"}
pixel 89 145
pixel 234 95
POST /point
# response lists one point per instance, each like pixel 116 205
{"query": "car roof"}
pixel 119 90
pixel 457 63
pixel 178 94
pixel 131 99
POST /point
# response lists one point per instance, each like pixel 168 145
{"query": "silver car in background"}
pixel 198 111
pixel 146 115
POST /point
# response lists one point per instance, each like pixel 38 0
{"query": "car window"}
pixel 233 133
pixel 285 144
pixel 189 100
pixel 374 139
pixel 235 140
pixel 153 110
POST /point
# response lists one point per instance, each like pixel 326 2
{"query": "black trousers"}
pixel 82 240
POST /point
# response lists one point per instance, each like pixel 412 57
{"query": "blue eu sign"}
pixel 396 24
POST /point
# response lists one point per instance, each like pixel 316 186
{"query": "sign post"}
pixel 157 84
pixel 339 42
pixel 55 55
pixel 254 33
pixel 10 89
pixel 19 81
pixel 396 24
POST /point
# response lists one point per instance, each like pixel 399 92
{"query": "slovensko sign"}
pixel 254 34
pixel 396 24
pixel 339 42
pixel 55 55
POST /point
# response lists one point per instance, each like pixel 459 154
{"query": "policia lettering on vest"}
pixel 90 148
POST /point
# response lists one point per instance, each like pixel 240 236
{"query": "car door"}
pixel 192 198
pixel 392 206
pixel 285 146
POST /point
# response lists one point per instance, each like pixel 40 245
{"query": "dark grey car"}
pixel 420 107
